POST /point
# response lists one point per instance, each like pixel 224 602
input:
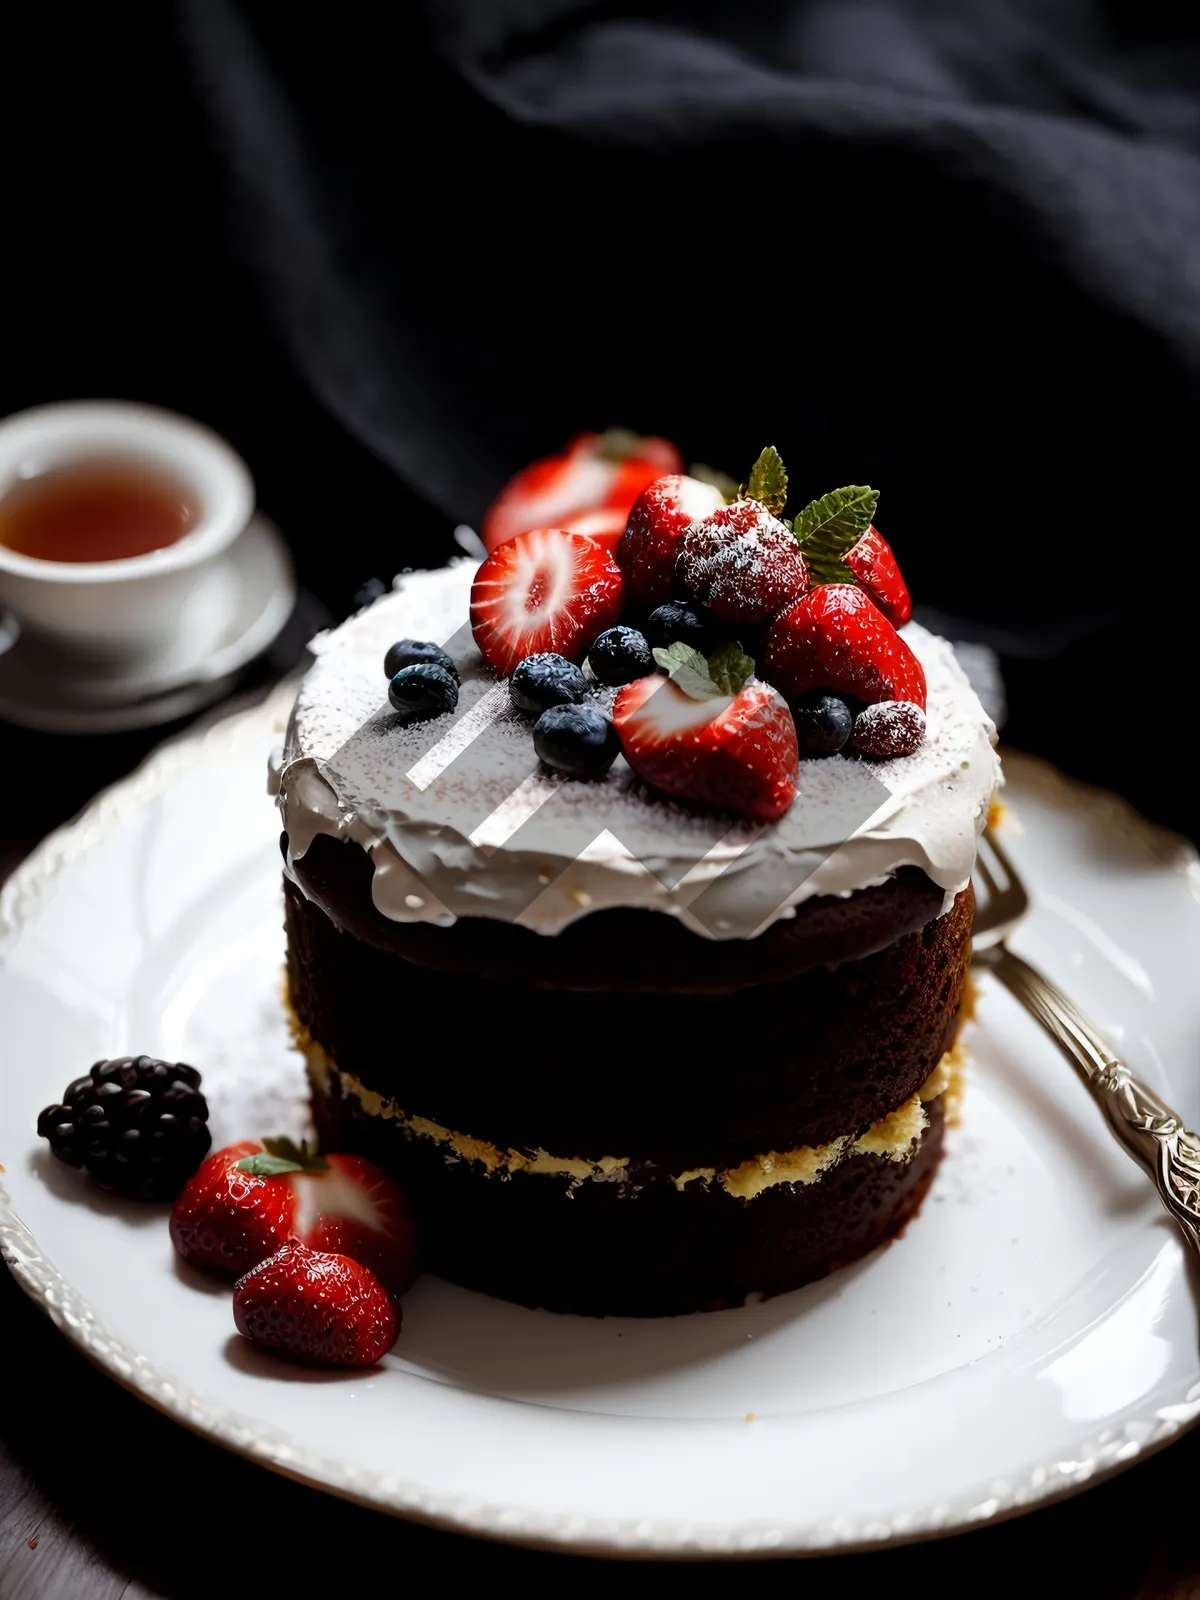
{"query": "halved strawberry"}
pixel 662 514
pixel 837 638
pixel 875 568
pixel 605 524
pixel 247 1200
pixel 684 736
pixel 595 471
pixel 544 590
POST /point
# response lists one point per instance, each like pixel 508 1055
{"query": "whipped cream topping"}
pixel 459 818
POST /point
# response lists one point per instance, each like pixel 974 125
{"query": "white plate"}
pixel 255 576
pixel 1033 1330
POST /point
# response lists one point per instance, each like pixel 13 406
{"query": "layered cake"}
pixel 628 900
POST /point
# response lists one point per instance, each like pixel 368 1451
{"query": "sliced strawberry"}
pixel 602 523
pixel 836 638
pixel 544 590
pixel 658 521
pixel 318 1309
pixel 875 568
pixel 742 563
pixel 250 1198
pixel 354 1210
pixel 596 471
pixel 734 750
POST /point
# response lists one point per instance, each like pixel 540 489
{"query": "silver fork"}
pixel 1148 1129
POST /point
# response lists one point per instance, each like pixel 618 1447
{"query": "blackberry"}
pixel 137 1125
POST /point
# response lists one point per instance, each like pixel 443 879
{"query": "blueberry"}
pixel 546 680
pixel 823 723
pixel 422 691
pixel 578 740
pixel 619 656
pixel 414 652
pixel 678 620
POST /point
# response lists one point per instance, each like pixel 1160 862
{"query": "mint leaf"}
pixel 725 672
pixel 719 480
pixel 828 528
pixel 767 482
pixel 688 669
pixel 283 1155
pixel 729 668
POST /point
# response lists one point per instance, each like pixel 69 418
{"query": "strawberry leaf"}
pixel 688 669
pixel 768 482
pixel 829 528
pixel 283 1155
pixel 729 668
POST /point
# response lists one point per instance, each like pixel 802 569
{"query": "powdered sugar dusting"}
pixel 487 835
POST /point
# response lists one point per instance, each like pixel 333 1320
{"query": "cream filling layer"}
pixel 894 1137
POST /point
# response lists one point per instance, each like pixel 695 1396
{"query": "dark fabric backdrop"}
pixel 952 250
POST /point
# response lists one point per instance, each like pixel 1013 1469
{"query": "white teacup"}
pixel 118 618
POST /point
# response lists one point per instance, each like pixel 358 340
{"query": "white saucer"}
pixel 39 690
pixel 1034 1330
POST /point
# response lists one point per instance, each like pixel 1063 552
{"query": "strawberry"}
pixel 660 517
pixel 596 471
pixel 318 1309
pixel 836 638
pixel 742 562
pixel 246 1201
pixel 710 732
pixel 545 590
pixel 604 524
pixel 231 1219
pixel 873 566
pixel 842 545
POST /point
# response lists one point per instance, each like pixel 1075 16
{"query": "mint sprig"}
pixel 768 482
pixel 282 1155
pixel 828 529
pixel 725 672
pixel 730 668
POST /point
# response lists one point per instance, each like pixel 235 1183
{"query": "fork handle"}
pixel 1148 1129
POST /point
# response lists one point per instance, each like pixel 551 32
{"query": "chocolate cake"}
pixel 626 1054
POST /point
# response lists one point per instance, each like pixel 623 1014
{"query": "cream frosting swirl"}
pixel 459 818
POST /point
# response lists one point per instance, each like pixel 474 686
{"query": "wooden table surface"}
pixel 101 1497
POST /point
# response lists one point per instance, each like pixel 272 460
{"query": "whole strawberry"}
pixel 250 1198
pixel 841 544
pixel 836 638
pixel 742 563
pixel 710 732
pixel 874 568
pixel 314 1308
pixel 660 517
pixel 596 472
